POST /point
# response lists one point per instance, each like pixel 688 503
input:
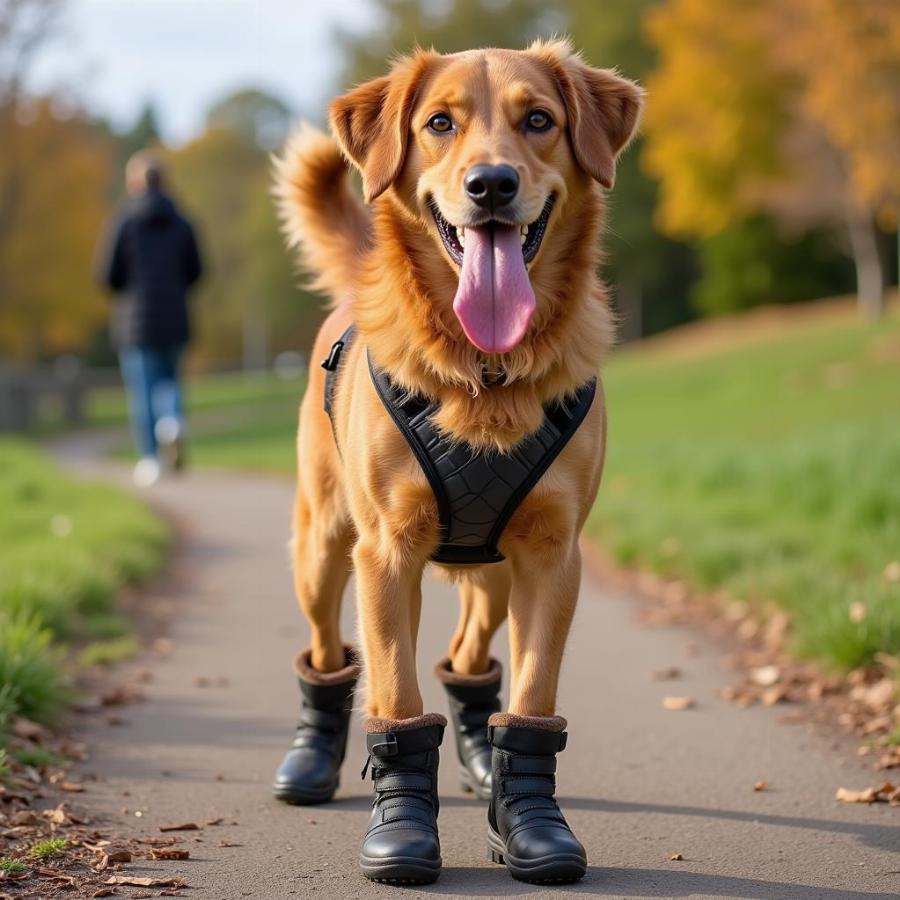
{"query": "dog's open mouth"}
pixel 494 300
pixel 530 236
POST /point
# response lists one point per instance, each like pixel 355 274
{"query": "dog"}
pixel 468 313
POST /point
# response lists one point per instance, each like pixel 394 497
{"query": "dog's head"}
pixel 485 149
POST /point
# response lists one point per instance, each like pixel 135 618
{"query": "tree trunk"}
pixel 869 274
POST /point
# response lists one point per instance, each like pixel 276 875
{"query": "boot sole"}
pixel 469 787
pixel 295 797
pixel 400 870
pixel 557 868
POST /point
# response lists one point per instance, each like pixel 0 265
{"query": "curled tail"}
pixel 322 216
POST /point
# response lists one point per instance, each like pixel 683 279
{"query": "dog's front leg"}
pixel 401 843
pixel 526 828
pixel 388 598
pixel 541 606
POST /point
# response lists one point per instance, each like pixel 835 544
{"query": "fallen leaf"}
pixel 104 892
pixel 677 704
pixel 217 821
pixel 170 853
pixel 29 731
pixel 669 673
pixel 135 881
pixel 72 787
pixel 771 696
pixel 25 817
pixel 115 855
pixel 848 796
pixel 675 857
pixel 185 826
pixel 765 676
pixel 760 785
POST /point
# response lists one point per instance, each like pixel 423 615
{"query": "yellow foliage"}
pixel 753 99
pixel 57 171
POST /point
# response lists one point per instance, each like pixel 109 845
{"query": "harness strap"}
pixel 331 365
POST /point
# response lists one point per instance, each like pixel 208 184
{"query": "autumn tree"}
pixel 789 109
pixel 53 170
pixel 49 301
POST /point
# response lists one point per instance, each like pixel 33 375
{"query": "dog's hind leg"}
pixel 321 566
pixel 483 604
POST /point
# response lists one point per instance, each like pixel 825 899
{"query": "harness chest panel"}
pixel 477 491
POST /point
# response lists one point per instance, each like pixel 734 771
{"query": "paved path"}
pixel 637 783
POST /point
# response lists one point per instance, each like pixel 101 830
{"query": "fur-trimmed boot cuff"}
pixel 443 671
pixel 305 672
pixel 375 725
pixel 540 723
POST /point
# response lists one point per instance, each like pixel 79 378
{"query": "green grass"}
pixel 236 421
pixel 767 471
pixel 106 653
pixel 38 757
pixel 203 394
pixel 66 548
pixel 13 866
pixel 50 848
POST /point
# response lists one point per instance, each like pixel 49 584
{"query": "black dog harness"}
pixel 476 491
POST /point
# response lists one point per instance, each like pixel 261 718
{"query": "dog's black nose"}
pixel 491 186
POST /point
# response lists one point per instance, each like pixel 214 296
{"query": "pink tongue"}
pixel 494 301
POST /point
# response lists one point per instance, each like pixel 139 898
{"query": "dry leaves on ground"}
pixel 887 793
pixel 678 704
pixel 170 853
pixel 137 881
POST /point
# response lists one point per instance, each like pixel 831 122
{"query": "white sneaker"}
pixel 146 472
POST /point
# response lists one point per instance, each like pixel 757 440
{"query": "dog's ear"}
pixel 603 108
pixel 371 123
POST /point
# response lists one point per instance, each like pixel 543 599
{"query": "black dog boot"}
pixel 473 699
pixel 401 845
pixel 310 772
pixel 526 829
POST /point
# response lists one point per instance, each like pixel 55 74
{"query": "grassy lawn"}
pixel 237 421
pixel 764 463
pixel 66 548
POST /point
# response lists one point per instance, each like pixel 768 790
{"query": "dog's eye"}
pixel 440 123
pixel 538 120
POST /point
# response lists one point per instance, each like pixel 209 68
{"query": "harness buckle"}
pixel 331 362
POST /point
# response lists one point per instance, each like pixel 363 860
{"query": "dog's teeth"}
pixel 461 237
pixel 523 230
pixel 523 236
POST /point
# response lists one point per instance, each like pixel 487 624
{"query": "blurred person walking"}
pixel 150 259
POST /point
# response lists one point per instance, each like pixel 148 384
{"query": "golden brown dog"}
pixel 391 273
pixel 493 355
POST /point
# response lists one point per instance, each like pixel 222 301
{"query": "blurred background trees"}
pixel 768 170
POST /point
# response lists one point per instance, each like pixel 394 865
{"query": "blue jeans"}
pixel 151 379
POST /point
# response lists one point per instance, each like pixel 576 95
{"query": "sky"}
pixel 185 54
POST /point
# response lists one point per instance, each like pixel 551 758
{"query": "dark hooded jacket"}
pixel 150 259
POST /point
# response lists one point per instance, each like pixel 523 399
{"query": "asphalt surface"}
pixel 638 783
